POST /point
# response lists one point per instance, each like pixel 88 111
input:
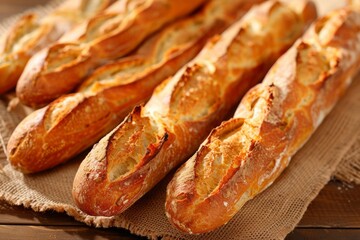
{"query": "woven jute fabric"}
pixel 349 168
pixel 270 215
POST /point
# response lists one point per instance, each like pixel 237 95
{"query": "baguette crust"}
pixel 30 34
pixel 244 155
pixel 112 91
pixel 122 27
pixel 155 138
pixel 355 4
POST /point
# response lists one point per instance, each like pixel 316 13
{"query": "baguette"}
pixel 155 138
pixel 354 4
pixel 112 91
pixel 30 34
pixel 245 155
pixel 60 68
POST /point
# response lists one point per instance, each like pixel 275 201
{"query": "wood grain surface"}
pixel 334 214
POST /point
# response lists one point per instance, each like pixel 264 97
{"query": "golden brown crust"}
pixel 155 138
pixel 111 92
pixel 245 154
pixel 106 37
pixel 30 34
pixel 355 4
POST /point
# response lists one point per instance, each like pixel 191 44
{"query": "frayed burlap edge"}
pixel 98 222
pixel 349 169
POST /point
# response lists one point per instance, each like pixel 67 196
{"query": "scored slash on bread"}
pixel 31 33
pixel 155 138
pixel 60 68
pixel 244 155
pixel 50 136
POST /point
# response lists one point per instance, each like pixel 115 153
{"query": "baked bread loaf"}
pixel 354 4
pixel 31 33
pixel 245 155
pixel 60 68
pixel 113 90
pixel 155 138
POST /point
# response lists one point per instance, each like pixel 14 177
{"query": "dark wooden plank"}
pixel 324 233
pixel 12 232
pixel 16 232
pixel 337 205
pixel 20 215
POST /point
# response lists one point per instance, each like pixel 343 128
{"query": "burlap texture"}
pixel 271 215
pixel 349 168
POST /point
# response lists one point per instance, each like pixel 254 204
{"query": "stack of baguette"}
pixel 49 136
pixel 196 88
pixel 32 33
pixel 244 155
pixel 60 68
pixel 155 138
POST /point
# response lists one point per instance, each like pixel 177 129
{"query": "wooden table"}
pixel 334 214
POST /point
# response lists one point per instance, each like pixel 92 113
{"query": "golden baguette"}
pixel 60 68
pixel 244 155
pixel 354 4
pixel 31 33
pixel 154 139
pixel 112 91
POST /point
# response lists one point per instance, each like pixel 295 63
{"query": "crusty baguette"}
pixel 31 33
pixel 60 68
pixel 112 91
pixel 244 155
pixel 154 139
pixel 354 4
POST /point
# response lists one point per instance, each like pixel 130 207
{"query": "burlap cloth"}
pixel 271 215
